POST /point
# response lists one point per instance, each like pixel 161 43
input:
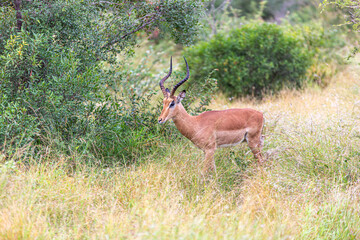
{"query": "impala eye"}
pixel 172 104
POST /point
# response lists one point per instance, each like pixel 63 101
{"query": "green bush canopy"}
pixel 255 59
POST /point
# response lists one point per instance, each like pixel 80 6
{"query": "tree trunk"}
pixel 19 20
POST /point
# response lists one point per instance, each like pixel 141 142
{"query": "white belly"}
pixel 230 145
pixel 230 138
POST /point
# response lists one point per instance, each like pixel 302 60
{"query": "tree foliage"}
pixel 351 13
pixel 57 61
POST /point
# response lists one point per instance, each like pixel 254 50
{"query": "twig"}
pixel 154 18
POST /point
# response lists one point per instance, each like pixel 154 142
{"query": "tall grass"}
pixel 309 188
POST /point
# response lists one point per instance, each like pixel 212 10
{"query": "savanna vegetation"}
pixel 82 155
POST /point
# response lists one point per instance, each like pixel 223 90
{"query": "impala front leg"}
pixel 209 162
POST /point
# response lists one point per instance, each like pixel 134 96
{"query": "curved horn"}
pixel 164 79
pixel 182 81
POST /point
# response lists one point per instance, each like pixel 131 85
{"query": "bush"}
pixel 256 58
pixel 56 74
pixel 45 84
pixel 17 129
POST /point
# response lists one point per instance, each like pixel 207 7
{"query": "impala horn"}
pixel 164 79
pixel 182 81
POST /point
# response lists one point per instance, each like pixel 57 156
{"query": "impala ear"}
pixel 168 92
pixel 181 96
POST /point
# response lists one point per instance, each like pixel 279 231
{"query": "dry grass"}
pixel 310 188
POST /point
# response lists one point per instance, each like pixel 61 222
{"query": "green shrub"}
pixel 56 73
pixel 45 82
pixel 17 128
pixel 256 58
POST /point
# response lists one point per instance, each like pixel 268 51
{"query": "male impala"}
pixel 212 129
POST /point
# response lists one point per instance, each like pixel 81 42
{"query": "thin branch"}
pixel 139 28
pixel 212 14
pixel 223 5
pixel 110 3
pixel 153 19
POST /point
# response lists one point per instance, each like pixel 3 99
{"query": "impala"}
pixel 212 129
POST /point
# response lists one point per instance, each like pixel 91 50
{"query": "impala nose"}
pixel 160 120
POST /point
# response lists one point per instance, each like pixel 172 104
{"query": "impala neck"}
pixel 184 122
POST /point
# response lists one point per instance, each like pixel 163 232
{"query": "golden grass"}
pixel 310 188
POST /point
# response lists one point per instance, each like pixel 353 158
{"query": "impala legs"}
pixel 256 143
pixel 254 140
pixel 209 162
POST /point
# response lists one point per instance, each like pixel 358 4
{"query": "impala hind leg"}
pixel 209 162
pixel 256 143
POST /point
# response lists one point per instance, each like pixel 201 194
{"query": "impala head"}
pixel 171 102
